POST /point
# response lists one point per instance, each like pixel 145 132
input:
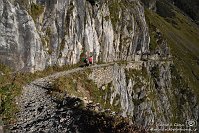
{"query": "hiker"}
pixel 82 57
pixel 82 60
pixel 90 59
pixel 86 61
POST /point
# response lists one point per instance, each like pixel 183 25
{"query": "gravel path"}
pixel 39 111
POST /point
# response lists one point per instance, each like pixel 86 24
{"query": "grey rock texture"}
pixel 39 33
pixel 65 28
pixel 148 98
pixel 20 45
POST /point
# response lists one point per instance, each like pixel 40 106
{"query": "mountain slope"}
pixel 190 7
pixel 182 36
pixel 149 80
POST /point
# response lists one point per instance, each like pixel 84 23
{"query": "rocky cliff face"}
pixel 144 85
pixel 45 108
pixel 21 45
pixel 37 34
pixel 143 92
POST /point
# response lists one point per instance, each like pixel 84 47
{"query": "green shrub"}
pixel 36 11
pixel 153 44
pixel 5 69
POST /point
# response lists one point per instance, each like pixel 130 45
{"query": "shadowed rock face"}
pixel 62 29
pixel 148 98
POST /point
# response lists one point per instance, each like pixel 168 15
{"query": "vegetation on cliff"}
pixel 36 10
pixel 182 36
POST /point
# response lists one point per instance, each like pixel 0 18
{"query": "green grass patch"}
pixel 8 107
pixel 79 85
pixel 11 86
pixel 182 35
pixel 36 10
pixel 183 41
pixel 136 74
pixel 5 69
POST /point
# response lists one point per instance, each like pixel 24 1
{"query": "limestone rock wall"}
pixel 20 43
pixel 37 34
pixel 144 92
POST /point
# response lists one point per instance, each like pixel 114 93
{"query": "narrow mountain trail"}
pixel 40 111
pixel 64 73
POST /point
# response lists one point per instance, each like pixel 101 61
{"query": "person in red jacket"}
pixel 90 59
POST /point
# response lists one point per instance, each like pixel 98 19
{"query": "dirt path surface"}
pixel 39 111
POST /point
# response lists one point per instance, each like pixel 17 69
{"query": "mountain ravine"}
pixel 141 78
